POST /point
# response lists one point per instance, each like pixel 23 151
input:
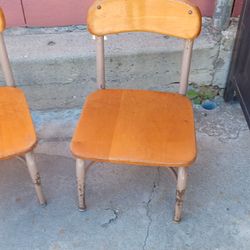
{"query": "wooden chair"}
pixel 139 127
pixel 17 133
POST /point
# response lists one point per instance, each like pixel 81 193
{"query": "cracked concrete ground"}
pixel 131 207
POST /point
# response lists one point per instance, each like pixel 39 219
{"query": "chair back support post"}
pixel 185 67
pixel 100 62
pixel 5 63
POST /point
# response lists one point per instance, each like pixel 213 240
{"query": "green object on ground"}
pixel 202 93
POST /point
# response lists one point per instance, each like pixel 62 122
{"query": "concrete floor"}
pixel 132 207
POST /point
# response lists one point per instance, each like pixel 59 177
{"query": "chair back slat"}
pixel 2 21
pixel 179 18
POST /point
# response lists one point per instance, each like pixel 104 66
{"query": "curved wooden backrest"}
pixel 179 18
pixel 2 21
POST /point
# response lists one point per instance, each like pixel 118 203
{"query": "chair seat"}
pixel 136 127
pixel 17 133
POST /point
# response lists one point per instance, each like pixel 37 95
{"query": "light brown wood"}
pixel 35 176
pixel 2 21
pixel 179 18
pixel 17 133
pixel 136 127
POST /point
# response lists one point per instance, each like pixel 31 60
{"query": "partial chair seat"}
pixel 17 133
pixel 136 127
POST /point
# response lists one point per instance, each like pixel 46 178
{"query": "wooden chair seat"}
pixel 17 133
pixel 136 127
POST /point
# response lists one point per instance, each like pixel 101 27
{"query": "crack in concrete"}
pixel 224 139
pixel 111 220
pixel 235 137
pixel 155 186
pixel 226 122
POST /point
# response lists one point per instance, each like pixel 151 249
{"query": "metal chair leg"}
pixel 80 175
pixel 180 192
pixel 34 174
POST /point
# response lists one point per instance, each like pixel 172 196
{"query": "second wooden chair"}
pixel 17 133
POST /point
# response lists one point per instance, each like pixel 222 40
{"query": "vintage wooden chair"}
pixel 17 133
pixel 139 127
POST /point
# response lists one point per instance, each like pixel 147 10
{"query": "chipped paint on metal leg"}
pixel 80 175
pixel 81 196
pixel 35 176
pixel 180 193
pixel 179 205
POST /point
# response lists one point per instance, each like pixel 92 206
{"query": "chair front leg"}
pixel 80 175
pixel 35 176
pixel 180 192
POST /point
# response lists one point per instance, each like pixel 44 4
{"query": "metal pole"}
pixel 185 68
pixel 5 63
pixel 100 66
pixel 180 192
pixel 80 175
pixel 35 176
pixel 222 13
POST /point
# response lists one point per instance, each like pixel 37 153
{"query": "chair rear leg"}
pixel 180 192
pixel 80 175
pixel 35 176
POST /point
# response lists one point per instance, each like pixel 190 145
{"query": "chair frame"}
pixel 100 23
pixel 181 173
pixel 29 156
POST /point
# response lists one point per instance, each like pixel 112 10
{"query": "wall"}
pixel 238 7
pixel 68 12
pixel 13 12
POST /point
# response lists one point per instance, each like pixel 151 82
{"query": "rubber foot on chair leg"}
pixel 43 204
pixel 82 209
pixel 176 220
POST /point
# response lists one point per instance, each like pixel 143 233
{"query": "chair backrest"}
pixel 4 59
pixel 178 18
